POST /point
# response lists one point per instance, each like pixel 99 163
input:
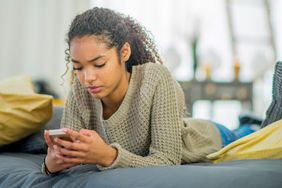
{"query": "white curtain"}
pixel 32 38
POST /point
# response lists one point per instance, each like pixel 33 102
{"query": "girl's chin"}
pixel 97 96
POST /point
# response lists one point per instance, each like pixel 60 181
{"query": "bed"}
pixel 20 167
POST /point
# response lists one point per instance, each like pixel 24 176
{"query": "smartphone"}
pixel 53 133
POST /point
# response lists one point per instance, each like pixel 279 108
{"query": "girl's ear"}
pixel 125 52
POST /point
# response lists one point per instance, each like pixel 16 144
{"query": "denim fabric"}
pixel 244 130
pixel 227 136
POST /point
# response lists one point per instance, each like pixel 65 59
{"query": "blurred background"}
pixel 223 52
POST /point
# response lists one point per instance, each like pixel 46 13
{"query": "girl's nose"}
pixel 89 75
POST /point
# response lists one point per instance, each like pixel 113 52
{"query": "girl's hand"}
pixel 88 147
pixel 53 162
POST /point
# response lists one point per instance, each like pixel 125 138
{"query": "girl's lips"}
pixel 94 90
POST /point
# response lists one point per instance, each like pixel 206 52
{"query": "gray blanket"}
pixel 23 170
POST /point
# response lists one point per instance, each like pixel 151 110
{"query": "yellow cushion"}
pixel 22 112
pixel 263 144
pixel 58 102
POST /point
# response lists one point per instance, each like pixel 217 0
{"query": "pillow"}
pixel 263 144
pixel 274 111
pixel 22 112
pixel 35 143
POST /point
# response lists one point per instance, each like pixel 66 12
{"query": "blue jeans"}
pixel 228 136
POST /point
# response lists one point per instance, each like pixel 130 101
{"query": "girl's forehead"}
pixel 87 44
pixel 88 47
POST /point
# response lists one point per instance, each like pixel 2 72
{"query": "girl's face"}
pixel 98 68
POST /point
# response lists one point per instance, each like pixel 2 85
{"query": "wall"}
pixel 32 37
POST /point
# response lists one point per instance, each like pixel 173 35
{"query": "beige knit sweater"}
pixel 150 127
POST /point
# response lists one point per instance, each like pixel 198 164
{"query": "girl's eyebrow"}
pixel 96 58
pixel 74 61
pixel 90 61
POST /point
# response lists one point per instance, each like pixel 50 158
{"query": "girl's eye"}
pixel 77 69
pixel 99 66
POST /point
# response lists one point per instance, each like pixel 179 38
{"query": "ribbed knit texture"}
pixel 148 128
pixel 274 111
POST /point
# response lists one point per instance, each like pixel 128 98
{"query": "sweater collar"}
pixel 123 108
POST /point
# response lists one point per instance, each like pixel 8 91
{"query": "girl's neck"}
pixel 113 102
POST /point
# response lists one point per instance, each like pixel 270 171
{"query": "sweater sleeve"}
pixel 166 122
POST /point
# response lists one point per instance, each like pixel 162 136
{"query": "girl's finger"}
pixel 86 132
pixel 75 146
pixel 76 135
pixel 48 139
pixel 71 153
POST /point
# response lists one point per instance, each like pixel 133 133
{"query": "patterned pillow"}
pixel 274 111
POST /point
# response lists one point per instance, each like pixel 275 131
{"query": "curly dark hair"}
pixel 115 29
